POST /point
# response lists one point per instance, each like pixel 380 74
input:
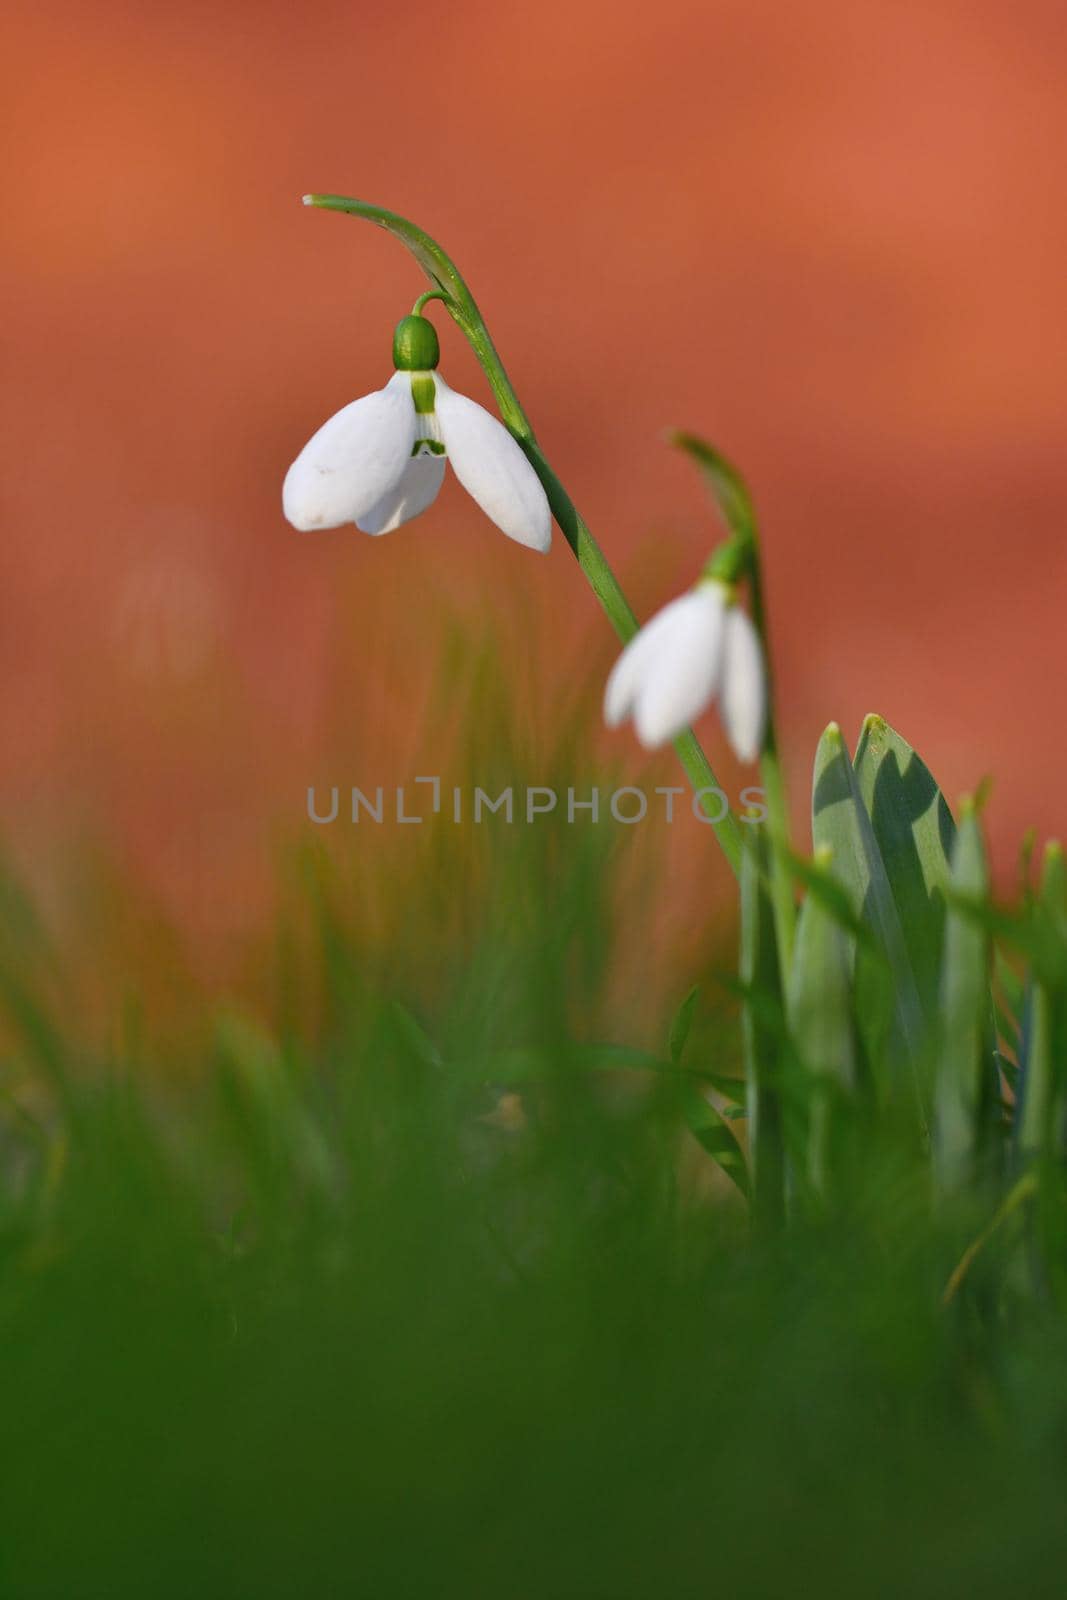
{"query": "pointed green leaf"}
pixel 914 831
pixel 683 1022
pixel 841 824
pixel 714 1136
pixel 415 1037
pixel 725 484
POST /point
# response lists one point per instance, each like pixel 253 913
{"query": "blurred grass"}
pixel 364 1274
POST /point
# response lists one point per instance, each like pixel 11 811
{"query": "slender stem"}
pixel 781 874
pixel 774 785
pixel 451 288
pixel 425 298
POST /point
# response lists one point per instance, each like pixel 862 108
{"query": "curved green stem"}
pixel 451 288
pixel 425 298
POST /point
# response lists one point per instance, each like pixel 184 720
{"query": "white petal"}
pixel 630 672
pixel 682 679
pixel 493 470
pixel 353 461
pixel 417 489
pixel 744 687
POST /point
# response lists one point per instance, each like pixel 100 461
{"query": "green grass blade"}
pixel 713 1134
pixel 681 1025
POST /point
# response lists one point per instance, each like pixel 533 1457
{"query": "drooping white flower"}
pixel 700 647
pixel 381 460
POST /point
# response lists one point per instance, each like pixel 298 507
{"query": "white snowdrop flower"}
pixel 699 648
pixel 381 460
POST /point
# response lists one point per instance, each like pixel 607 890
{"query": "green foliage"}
pixel 433 1270
pixel 889 1010
pixel 702 1117
pixel 360 1309
pixel 904 972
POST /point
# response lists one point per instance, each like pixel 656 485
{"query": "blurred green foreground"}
pixel 399 1272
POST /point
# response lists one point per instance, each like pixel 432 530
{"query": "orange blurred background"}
pixel 830 234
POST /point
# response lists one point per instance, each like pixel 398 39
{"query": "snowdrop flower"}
pixel 381 460
pixel 700 647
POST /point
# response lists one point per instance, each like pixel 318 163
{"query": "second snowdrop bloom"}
pixel 381 460
pixel 699 648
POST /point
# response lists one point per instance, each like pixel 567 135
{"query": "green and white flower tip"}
pixel 381 460
pixel 699 648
